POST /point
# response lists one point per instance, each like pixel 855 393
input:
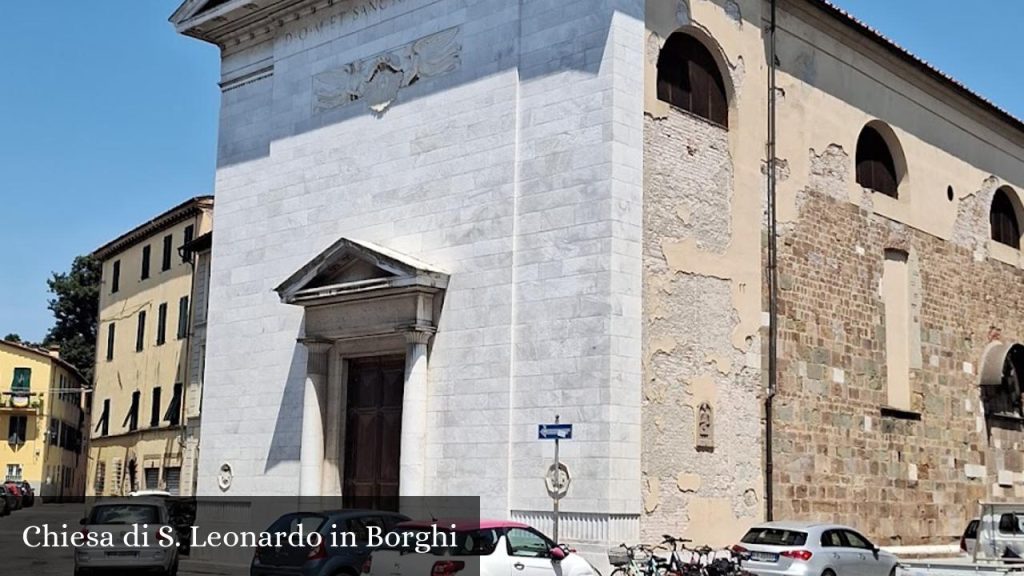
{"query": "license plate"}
pixel 764 557
pixel 123 554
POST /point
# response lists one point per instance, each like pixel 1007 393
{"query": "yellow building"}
pixel 41 413
pixel 138 434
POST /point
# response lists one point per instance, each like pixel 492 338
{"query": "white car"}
pixel 108 547
pixel 812 549
pixel 480 548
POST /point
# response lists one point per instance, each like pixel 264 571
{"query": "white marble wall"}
pixel 519 173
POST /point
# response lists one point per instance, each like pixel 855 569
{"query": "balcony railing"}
pixel 17 401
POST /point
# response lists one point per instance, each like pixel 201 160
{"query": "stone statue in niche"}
pixel 705 428
pixel 378 79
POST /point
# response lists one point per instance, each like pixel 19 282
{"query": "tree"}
pixel 16 338
pixel 75 310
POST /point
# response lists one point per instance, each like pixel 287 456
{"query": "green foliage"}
pixel 16 338
pixel 75 308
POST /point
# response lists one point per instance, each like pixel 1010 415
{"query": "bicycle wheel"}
pixel 620 571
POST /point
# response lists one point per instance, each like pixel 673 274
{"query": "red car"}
pixel 15 490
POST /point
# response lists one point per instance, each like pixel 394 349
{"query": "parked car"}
pixel 28 494
pixel 481 548
pixel 808 548
pixel 150 494
pixel 6 501
pixel 15 490
pixel 969 540
pixel 324 560
pixel 119 517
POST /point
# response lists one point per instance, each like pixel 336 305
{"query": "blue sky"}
pixel 107 118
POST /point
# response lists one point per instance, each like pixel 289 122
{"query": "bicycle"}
pixel 703 561
pixel 631 565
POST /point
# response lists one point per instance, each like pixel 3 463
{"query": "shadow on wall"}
pixel 285 445
pixel 371 83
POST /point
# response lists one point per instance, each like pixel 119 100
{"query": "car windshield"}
pixel 775 537
pixel 972 530
pixel 124 514
pixel 290 523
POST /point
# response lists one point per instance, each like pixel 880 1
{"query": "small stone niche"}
pixel 705 428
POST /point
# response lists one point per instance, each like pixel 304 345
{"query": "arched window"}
pixel 688 78
pixel 1003 217
pixel 875 166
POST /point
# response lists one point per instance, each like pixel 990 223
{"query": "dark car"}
pixel 28 494
pixel 323 560
pixel 6 501
pixel 15 490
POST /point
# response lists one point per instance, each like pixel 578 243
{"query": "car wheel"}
pixel 828 573
pixel 893 571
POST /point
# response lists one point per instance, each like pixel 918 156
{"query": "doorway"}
pixel 373 432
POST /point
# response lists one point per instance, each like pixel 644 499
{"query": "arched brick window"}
pixel 688 78
pixel 876 168
pixel 1003 217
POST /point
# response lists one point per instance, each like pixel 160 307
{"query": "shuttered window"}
pixel 876 169
pixel 689 78
pixel 189 233
pixel 103 425
pixel 173 414
pixel 161 324
pixel 100 481
pixel 182 317
pixel 140 333
pixel 131 420
pixel 110 341
pixel 154 413
pixel 1003 218
pixel 165 264
pixel 145 262
pixel 172 478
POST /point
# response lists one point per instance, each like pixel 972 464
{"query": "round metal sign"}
pixel 557 480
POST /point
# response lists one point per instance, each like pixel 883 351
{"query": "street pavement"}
pixel 17 558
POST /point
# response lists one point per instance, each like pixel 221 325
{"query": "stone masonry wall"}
pixel 689 357
pixel 901 479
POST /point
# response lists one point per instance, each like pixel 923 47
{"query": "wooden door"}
pixel 373 431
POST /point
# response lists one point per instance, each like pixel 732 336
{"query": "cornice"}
pixel 900 62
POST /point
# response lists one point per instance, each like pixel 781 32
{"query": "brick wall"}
pixel 689 356
pixel 902 479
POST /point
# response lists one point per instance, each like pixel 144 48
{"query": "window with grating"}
pixel 1003 218
pixel 689 78
pixel 875 166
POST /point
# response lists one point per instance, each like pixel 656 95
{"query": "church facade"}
pixel 444 222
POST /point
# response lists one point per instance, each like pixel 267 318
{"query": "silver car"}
pixel 110 523
pixel 812 549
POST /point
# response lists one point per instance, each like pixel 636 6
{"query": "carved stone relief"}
pixel 378 79
pixel 705 427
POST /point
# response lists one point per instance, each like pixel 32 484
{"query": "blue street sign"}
pixel 554 431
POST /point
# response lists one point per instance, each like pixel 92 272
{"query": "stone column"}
pixel 414 416
pixel 335 426
pixel 312 452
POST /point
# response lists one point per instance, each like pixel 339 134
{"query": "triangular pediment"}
pixel 350 267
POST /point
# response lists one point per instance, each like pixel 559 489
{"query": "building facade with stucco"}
pixel 443 222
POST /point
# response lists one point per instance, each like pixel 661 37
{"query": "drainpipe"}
pixel 773 326
pixel 183 410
